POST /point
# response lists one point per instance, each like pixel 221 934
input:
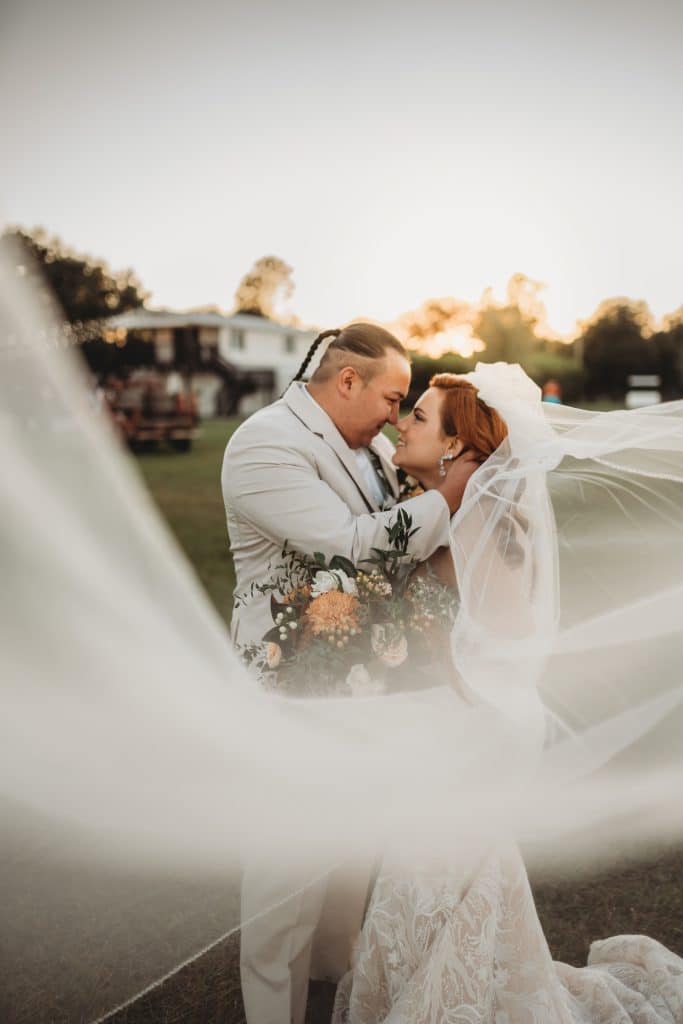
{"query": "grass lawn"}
pixel 187 489
pixel 642 895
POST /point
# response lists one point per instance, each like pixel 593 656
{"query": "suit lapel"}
pixel 306 409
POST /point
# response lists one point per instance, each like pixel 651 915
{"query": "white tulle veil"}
pixel 141 766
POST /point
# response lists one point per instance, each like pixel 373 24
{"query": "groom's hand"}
pixel 457 475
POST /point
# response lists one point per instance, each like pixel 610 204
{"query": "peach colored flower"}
pixel 273 655
pixel 331 611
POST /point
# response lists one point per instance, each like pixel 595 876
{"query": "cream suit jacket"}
pixel 288 475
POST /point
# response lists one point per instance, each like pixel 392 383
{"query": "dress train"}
pixel 466 947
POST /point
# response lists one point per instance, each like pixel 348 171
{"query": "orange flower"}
pixel 299 593
pixel 331 611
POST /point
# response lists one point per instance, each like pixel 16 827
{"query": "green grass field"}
pixel 644 894
pixel 187 489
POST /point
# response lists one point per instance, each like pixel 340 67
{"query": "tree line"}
pixel 619 339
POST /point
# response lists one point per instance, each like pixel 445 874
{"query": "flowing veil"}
pixel 569 559
pixel 568 556
pixel 141 765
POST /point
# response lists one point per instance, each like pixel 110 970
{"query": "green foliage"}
pixel 508 334
pixel 400 532
pixel 668 343
pixel 86 288
pixel 344 564
pixel 542 364
pixel 394 562
pixel 424 368
pixel 617 341
pixel 87 294
pixel 615 345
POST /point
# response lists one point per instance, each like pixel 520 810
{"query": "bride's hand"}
pixel 455 482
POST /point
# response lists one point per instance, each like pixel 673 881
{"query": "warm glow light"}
pixel 448 324
pixel 459 339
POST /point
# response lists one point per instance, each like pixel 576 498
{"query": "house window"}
pixel 237 340
pixel 290 343
pixel 163 344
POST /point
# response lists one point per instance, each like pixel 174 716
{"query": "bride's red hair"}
pixel 465 415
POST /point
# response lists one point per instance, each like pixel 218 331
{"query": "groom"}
pixel 314 470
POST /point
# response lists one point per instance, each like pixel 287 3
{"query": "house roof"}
pixel 144 319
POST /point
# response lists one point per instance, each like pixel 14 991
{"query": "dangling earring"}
pixel 448 457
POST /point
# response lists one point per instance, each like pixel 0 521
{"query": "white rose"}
pixel 323 582
pixel 388 645
pixel 326 580
pixel 361 683
pixel 348 584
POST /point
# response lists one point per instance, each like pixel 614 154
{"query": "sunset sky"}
pixel 389 152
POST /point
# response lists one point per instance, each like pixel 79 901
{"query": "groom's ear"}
pixel 347 379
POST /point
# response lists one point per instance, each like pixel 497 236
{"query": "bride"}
pixel 459 942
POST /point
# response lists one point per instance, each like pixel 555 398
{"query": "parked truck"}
pixel 146 413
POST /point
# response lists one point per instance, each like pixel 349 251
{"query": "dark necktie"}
pixel 381 475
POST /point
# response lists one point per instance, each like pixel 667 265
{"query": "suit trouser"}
pixel 275 950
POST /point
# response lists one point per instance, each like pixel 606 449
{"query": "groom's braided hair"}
pixel 357 345
pixel 334 333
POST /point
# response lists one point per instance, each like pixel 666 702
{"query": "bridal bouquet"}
pixel 342 629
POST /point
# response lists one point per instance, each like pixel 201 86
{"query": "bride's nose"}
pixel 401 425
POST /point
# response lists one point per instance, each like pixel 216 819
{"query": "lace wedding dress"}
pixel 465 946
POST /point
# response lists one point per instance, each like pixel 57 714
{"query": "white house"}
pixel 234 364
